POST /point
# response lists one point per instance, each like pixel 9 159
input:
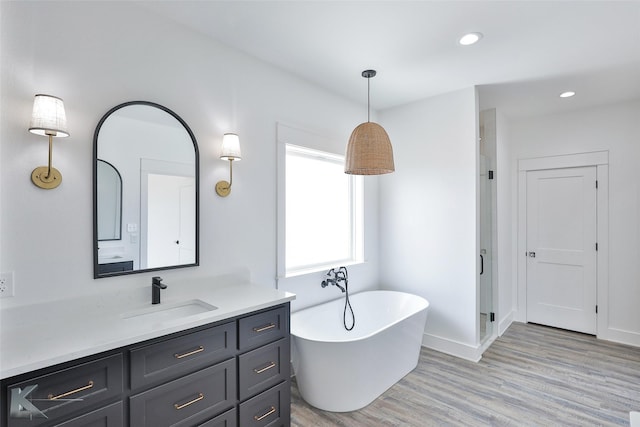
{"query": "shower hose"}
pixel 347 303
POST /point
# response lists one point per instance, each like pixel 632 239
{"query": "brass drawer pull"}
pixel 262 417
pixel 266 368
pixel 60 396
pixel 191 353
pixel 191 402
pixel 264 328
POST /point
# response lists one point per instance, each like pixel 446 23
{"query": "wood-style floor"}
pixel 531 376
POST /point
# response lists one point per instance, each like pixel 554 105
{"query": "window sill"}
pixel 319 268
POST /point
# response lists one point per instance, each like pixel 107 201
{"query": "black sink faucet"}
pixel 156 286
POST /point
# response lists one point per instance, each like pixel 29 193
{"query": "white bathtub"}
pixel 339 370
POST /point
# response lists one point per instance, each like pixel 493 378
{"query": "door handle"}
pixel 532 254
pixel 481 264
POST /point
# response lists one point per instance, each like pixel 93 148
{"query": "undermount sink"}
pixel 172 311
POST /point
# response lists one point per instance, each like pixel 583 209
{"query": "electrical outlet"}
pixel 6 285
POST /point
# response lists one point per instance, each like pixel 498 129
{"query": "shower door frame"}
pixel 489 264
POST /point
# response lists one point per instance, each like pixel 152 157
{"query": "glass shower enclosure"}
pixel 487 209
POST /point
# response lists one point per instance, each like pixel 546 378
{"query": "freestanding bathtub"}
pixel 339 370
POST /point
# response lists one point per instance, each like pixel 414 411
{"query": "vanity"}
pixel 223 360
pixel 211 352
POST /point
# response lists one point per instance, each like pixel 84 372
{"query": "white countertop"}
pixel 41 335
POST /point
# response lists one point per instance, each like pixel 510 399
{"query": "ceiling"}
pixel 530 53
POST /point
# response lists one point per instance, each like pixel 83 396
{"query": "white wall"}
pixel 614 128
pixel 96 55
pixel 428 214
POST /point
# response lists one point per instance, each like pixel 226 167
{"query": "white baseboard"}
pixel 504 324
pixel 454 348
pixel 621 336
pixel 610 334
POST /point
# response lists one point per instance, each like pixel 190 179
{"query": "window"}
pixel 321 212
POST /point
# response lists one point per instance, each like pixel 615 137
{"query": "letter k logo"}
pixel 21 407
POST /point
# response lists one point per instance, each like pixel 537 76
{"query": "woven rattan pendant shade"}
pixel 369 151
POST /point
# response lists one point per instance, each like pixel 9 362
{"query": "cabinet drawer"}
pixel 64 392
pixel 115 267
pixel 186 401
pixel 166 360
pixel 109 416
pixel 271 408
pixel 263 367
pixel 262 328
pixel 228 419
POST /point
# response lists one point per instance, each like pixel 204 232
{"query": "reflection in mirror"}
pixel 156 156
pixel 109 201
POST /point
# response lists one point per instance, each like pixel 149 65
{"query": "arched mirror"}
pixel 151 221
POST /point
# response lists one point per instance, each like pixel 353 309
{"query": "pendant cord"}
pixel 368 99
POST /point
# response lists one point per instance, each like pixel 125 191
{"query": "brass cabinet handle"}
pixel 191 402
pixel 266 368
pixel 263 416
pixel 191 353
pixel 264 328
pixel 60 396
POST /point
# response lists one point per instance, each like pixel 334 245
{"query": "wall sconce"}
pixel 230 151
pixel 48 119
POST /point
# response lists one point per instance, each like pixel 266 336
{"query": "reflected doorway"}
pixel 167 217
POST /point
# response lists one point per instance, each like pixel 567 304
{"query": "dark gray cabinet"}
pixel 271 408
pixel 52 396
pixel 263 328
pixel 187 401
pixel 227 374
pixel 113 267
pixel 168 359
pixel 263 368
pixel 109 416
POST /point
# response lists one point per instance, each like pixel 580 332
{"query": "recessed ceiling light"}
pixel 469 39
pixel 567 94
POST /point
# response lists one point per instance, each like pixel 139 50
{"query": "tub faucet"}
pixel 338 276
pixel 156 286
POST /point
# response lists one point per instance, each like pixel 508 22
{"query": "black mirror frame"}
pixel 95 192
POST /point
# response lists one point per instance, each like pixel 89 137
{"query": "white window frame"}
pixel 312 146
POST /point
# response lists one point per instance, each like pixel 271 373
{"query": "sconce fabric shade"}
pixel 48 117
pixel 369 151
pixel 230 147
pixel 230 151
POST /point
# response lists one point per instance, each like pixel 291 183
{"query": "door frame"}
pixel 599 159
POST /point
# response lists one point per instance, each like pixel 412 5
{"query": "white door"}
pixel 561 248
pixel 170 220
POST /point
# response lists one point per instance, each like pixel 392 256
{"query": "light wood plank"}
pixel 531 376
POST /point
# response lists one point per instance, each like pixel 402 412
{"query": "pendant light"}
pixel 369 151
